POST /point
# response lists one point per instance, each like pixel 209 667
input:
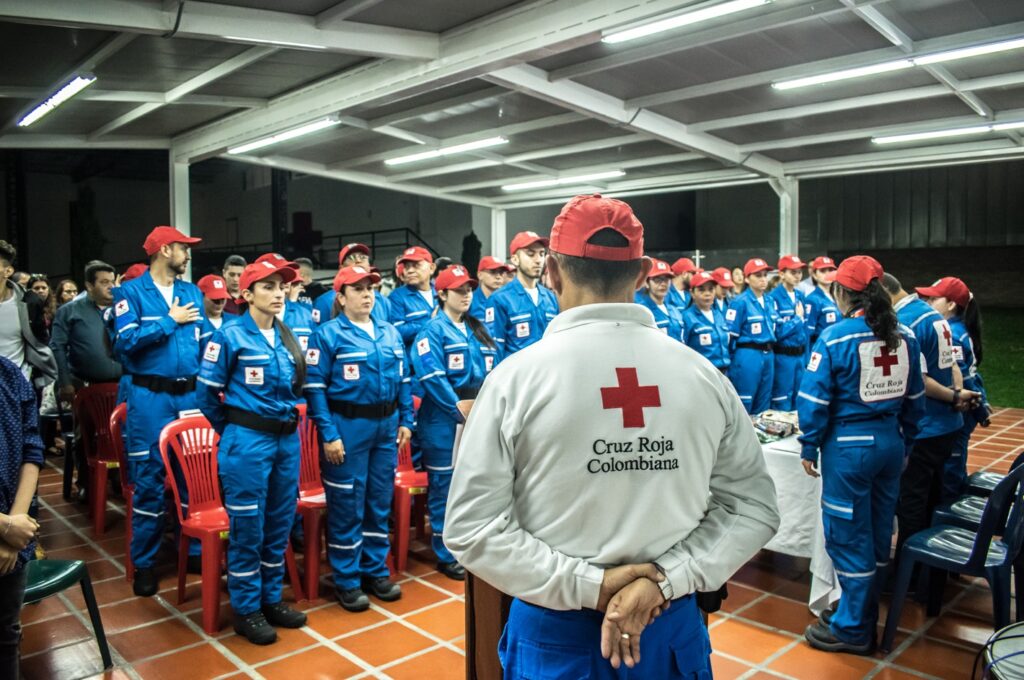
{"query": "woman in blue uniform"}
pixel 951 298
pixel 452 356
pixel 259 367
pixel 707 332
pixel 667 316
pixel 820 310
pixel 358 394
pixel 790 334
pixel 859 404
pixel 751 318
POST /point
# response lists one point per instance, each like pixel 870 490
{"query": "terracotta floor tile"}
pixel 759 576
pixel 113 546
pixel 193 597
pixel 288 640
pixel 80 552
pixel 977 603
pixel 141 643
pixel 746 641
pixel 452 586
pixel 223 622
pixel 727 669
pixel 440 664
pixel 112 674
pixel 63 539
pixel 446 621
pixel 419 567
pixel 320 663
pixel 141 610
pixel 781 613
pixel 64 663
pixel 101 570
pixel 384 644
pixel 805 663
pixel 460 643
pixel 961 629
pixel 333 621
pixel 739 596
pixel 56 632
pixel 414 596
pixel 895 674
pixel 937 658
pixel 106 592
pixel 911 618
pixel 49 608
pixel 195 663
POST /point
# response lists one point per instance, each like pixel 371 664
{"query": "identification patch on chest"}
pixel 423 346
pixel 755 328
pixel 488 363
pixel 958 353
pixel 730 315
pixel 303 342
pixel 350 371
pixel 316 315
pixel 830 317
pixel 705 339
pixel 456 362
pixel 523 329
pixel 212 353
pixel 814 362
pixel 254 375
pixel 312 357
pixel 121 307
pixel 489 315
pixel 884 374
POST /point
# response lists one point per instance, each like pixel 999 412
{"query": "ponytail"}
pixel 971 316
pixel 298 356
pixel 479 330
pixel 878 312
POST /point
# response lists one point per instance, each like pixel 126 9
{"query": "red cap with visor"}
pixel 790 262
pixel 348 276
pixel 823 262
pixel 857 271
pixel 584 216
pixel 949 287
pixel 454 276
pixel 134 272
pixel 352 248
pixel 490 264
pixel 214 287
pixel 165 236
pixel 701 278
pixel 723 277
pixel 683 265
pixel 659 268
pixel 755 265
pixel 525 239
pixel 415 254
pixel 257 271
pixel 276 259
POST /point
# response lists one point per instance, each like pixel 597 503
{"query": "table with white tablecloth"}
pixel 801 533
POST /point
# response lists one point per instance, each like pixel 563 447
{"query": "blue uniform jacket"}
pixel 751 321
pixel 820 312
pixel 345 364
pixel 409 311
pixel 253 376
pixel 445 359
pixel 299 319
pixel 935 338
pixel 679 299
pixel 482 308
pixel 324 305
pixel 148 339
pixel 707 338
pixel 852 376
pixel 670 321
pixel 790 329
pixel 209 329
pixel 518 323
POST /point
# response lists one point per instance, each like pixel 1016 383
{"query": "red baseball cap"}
pixel 257 271
pixel 755 265
pixel 352 248
pixel 524 239
pixel 683 265
pixel 134 272
pixel 489 264
pixel 165 236
pixel 276 259
pixel 790 262
pixel 415 254
pixel 659 268
pixel 857 271
pixel 722 276
pixel 823 262
pixel 949 287
pixel 214 287
pixel 454 276
pixel 701 278
pixel 348 276
pixel 583 216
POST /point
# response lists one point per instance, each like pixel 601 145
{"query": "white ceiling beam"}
pixel 534 81
pixel 136 97
pixel 214 21
pixel 642 192
pixel 336 14
pixel 27 140
pixel 478 98
pixel 523 32
pixel 869 58
pixel 905 158
pixel 235 63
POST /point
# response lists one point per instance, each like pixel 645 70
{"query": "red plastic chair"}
pixel 409 484
pixel 194 445
pixel 312 501
pixel 117 420
pixel 92 408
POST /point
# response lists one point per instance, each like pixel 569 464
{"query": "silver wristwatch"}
pixel 666 585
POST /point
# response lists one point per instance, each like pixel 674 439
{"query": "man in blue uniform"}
pixel 412 305
pixel 790 334
pixel 683 270
pixel 751 319
pixel 668 317
pixel 215 297
pixel 820 310
pixel 491 274
pixel 724 285
pixel 523 308
pixel 159 320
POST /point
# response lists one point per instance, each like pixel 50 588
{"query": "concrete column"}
pixel 181 213
pixel 788 190
pixel 499 238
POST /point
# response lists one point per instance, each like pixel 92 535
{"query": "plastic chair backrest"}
pixel 405 451
pixel 193 443
pixel 309 451
pixel 117 420
pixel 1008 491
pixel 92 408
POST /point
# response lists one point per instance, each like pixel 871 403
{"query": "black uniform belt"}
pixel 789 351
pixel 865 418
pixel 237 416
pixel 158 383
pixel 467 392
pixel 762 346
pixel 371 411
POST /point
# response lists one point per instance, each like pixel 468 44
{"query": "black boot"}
pixel 145 583
pixel 281 615
pixel 821 637
pixel 382 588
pixel 353 600
pixel 452 570
pixel 255 628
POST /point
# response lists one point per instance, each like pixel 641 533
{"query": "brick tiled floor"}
pixel 757 635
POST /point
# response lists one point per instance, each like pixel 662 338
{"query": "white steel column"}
pixel 788 190
pixel 499 239
pixel 181 213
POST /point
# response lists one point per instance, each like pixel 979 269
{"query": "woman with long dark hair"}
pixel 40 285
pixel 67 290
pixel 951 298
pixel 859 404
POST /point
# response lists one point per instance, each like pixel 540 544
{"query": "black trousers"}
pixel 12 591
pixel 921 485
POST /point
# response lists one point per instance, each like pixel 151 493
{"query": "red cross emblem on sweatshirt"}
pixel 885 360
pixel 631 397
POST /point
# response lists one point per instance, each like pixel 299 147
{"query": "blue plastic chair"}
pixel 982 482
pixel 950 548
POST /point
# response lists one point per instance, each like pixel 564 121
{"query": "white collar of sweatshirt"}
pixel 606 443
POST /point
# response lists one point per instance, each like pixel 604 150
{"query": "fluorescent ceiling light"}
pixel 577 179
pixel 697 16
pixel 953 132
pixel 448 150
pixel 965 52
pixel 76 85
pixel 281 43
pixel 285 136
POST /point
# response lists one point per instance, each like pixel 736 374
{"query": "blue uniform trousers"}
pixel 752 372
pixel 954 474
pixel 438 462
pixel 359 494
pixel 260 474
pixel 786 381
pixel 148 413
pixel 545 643
pixel 860 472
